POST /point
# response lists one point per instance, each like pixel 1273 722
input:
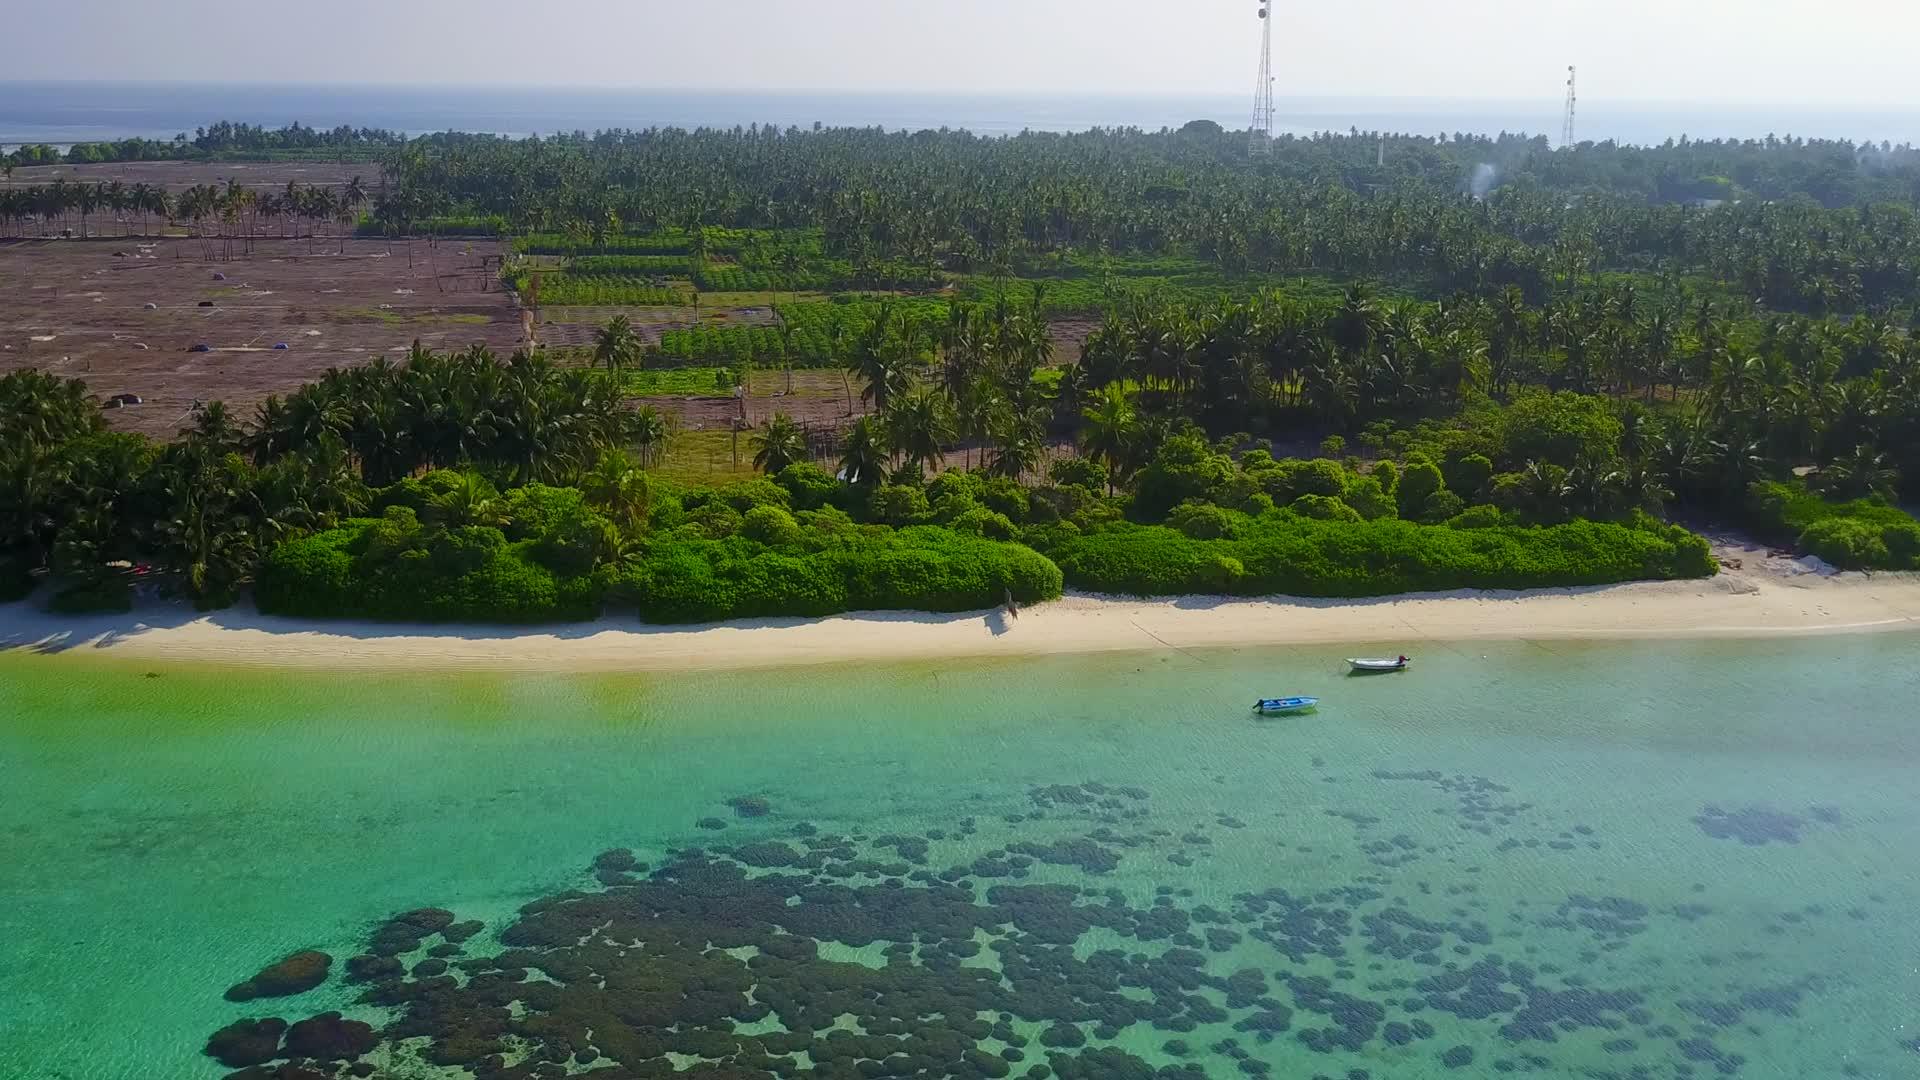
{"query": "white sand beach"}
pixel 1763 600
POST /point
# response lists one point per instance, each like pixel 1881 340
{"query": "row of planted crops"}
pixel 812 334
pixel 671 268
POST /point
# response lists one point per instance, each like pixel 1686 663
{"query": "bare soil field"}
pixel 175 175
pixel 123 313
pixel 1069 336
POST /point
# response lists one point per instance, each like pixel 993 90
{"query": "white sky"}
pixel 1776 52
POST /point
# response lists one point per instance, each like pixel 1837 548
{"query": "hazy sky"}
pixel 1760 51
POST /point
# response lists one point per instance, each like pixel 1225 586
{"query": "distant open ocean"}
pixel 65 113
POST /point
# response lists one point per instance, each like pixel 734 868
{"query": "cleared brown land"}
pixel 182 174
pixel 78 309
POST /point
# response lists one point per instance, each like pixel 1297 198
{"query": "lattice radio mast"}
pixel 1260 134
pixel 1573 99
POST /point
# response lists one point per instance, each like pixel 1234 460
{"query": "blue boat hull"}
pixel 1284 706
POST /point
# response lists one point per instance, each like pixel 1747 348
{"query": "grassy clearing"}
pixel 679 382
pixel 707 457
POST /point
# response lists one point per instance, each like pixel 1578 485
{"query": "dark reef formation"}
pixel 734 961
pixel 297 974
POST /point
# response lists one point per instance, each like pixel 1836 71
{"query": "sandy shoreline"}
pixel 1733 605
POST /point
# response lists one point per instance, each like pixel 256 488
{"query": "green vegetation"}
pixel 1865 533
pixel 1508 391
pixel 562 289
pixel 1800 225
pixel 222 141
pixel 1292 552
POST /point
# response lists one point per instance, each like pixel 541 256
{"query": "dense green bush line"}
pixel 544 555
pixel 1859 534
pixel 395 569
pixel 865 569
pixel 1284 553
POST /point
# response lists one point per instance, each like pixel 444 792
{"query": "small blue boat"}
pixel 1286 706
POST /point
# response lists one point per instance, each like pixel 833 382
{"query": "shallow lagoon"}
pixel 1658 860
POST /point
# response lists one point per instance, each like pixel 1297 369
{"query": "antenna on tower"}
pixel 1260 134
pixel 1573 99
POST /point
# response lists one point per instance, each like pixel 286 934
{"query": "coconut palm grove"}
pixel 1356 365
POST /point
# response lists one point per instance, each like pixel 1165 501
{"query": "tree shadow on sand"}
pixel 28 627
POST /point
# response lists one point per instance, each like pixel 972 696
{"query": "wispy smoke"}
pixel 1484 177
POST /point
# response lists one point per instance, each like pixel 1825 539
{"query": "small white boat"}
pixel 1286 706
pixel 1380 667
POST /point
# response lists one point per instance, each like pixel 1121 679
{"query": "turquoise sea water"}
pixel 1648 860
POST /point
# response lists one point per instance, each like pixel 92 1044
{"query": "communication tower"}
pixel 1573 98
pixel 1260 134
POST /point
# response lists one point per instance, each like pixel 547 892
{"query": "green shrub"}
pixel 1561 428
pixel 1469 475
pixel 1442 506
pixel 1848 543
pixel 1005 496
pixel 1388 474
pixel 468 574
pixel 1780 511
pixel 418 492
pixel 758 491
pixel 1323 508
pixel 1420 481
pixel 986 523
pixel 771 526
pixel 957 483
pixel 924 569
pixel 537 509
pixel 1285 554
pixel 575 541
pixel 898 505
pixel 808 485
pixel 1289 480
pixel 1368 496
pixel 1202 521
pixel 1902 539
pixel 1089 473
pixel 948 507
pixel 714 521
pixel 1185 468
pixel 1482 517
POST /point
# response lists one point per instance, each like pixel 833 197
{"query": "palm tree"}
pixel 206 529
pixel 617 346
pixel 650 429
pixel 864 453
pixel 1862 472
pixel 1110 430
pixel 880 358
pixel 782 443
pixel 352 198
pixel 87 200
pixel 920 425
pixel 1019 442
pixel 618 487
pixel 472 502
pixel 214 424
